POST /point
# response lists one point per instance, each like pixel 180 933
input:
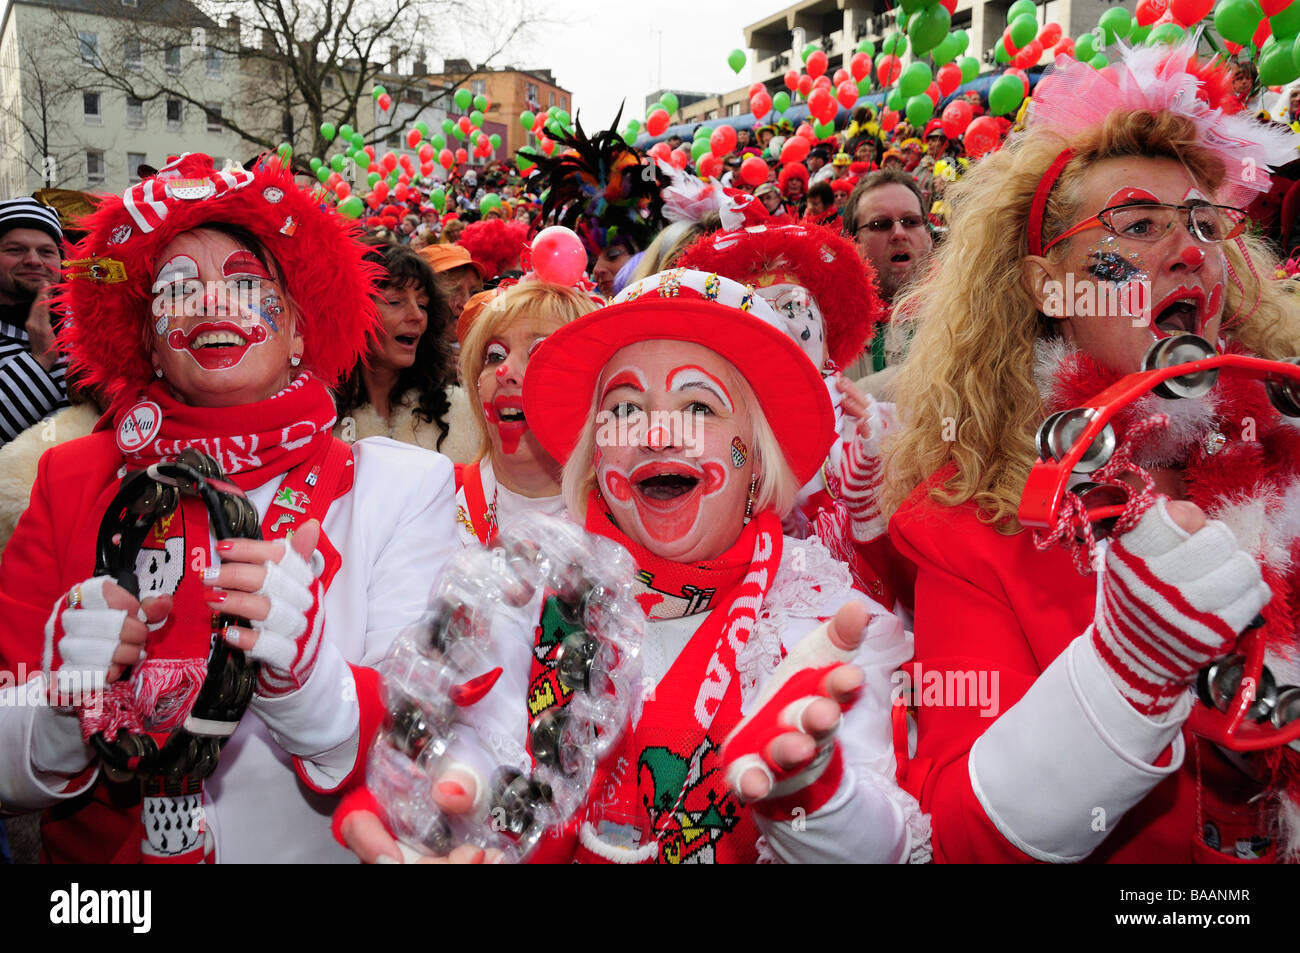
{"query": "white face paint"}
pixel 802 318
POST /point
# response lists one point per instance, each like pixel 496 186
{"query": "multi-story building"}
pixel 62 123
pixel 510 91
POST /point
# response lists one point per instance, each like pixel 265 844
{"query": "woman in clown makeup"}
pixel 205 315
pixel 770 676
pixel 1112 224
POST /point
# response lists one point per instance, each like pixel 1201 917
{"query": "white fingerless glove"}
pixel 288 640
pixel 86 636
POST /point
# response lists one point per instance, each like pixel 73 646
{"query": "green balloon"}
pixel 864 85
pixel 963 39
pixel 358 141
pixel 372 178
pixel 553 110
pixel 495 140
pixel 896 100
pixel 911 6
pixel 1295 49
pixel 346 132
pixel 323 174
pixel 463 98
pixel 970 68
pixel 338 163
pixel 1086 47
pixel 285 150
pixel 700 147
pixel 439 199
pixel 915 79
pixel 702 132
pixel 1138 35
pixel 315 164
pixel 438 143
pixel 1023 30
pixel 448 126
pixel 480 102
pixel 526 119
pixel 460 136
pixel 476 118
pixel 1166 33
pixel 1099 61
pixel 489 202
pixel 947 50
pixel 929 28
pixel 362 160
pixel 1005 95
pixel 1277 66
pixel 1287 23
pixel 806 52
pixel 522 162
pixel 781 101
pixel 669 100
pixel 736 60
pixel 866 46
pixel 378 91
pixel 919 110
pixel 823 130
pixel 352 206
pixel 327 131
pixel 423 127
pixel 1000 52
pixel 1236 20
pixel 634 125
pixel 1116 22
pixel 1019 9
pixel 895 44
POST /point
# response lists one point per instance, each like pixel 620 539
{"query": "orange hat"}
pixel 473 308
pixel 444 258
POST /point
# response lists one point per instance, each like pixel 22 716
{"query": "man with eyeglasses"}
pixel 884 219
pixel 31 370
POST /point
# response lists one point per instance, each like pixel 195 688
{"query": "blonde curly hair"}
pixel 966 393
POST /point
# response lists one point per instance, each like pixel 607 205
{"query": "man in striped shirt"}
pixel 31 369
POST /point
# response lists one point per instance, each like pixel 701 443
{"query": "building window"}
pixel 213 112
pixel 91 108
pixel 130 3
pixel 89 43
pixel 286 126
pixel 394 141
pixel 132 56
pixel 134 113
pixel 530 93
pixel 564 103
pixel 478 87
pixel 213 62
pixel 175 115
pixel 172 59
pixel 552 102
pixel 328 82
pixel 133 162
pixel 94 167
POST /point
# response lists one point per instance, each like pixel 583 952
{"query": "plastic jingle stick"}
pixel 1242 708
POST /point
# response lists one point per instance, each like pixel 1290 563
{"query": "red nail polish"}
pixel 225 545
pixel 451 789
pixel 215 595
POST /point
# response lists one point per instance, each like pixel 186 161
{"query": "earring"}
pixel 749 503
pixel 157 372
pixel 295 361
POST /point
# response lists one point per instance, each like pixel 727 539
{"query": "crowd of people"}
pixel 242 438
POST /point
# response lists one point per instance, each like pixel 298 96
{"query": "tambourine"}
pixel 1242 708
pixel 146 496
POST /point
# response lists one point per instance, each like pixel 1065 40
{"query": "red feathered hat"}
pixel 814 257
pixel 108 285
pixel 495 243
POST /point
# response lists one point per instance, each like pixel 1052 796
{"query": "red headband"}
pixel 1038 207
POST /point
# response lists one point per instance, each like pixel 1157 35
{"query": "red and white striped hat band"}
pixel 146 202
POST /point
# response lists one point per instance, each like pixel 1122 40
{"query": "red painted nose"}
pixel 1193 257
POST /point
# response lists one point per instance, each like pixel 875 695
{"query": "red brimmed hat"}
pixel 818 258
pixel 108 282
pixel 680 305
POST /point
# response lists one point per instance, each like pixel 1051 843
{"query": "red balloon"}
pixel 754 171
pixel 370 151
pixel 982 136
pixel 934 93
pixel 426 169
pixel 1189 12
pixel 374 201
pixel 389 162
pixel 680 157
pixel 1007 45
pixel 860 66
pixel 791 80
pixel 548 145
pixel 806 131
pixel 760 104
pixel 888 69
pixel 342 189
pixel 756 89
pixel 413 138
pixel 710 166
pixel 1262 33
pixel 847 93
pixel 558 257
pixel 822 105
pixel 722 140
pixel 445 158
pixel 805 85
pixel 1149 11
pixel 958 115
pixel 462 156
pixel 405 162
pixel 661 151
pixel 840 76
pixel 888 120
pixel 380 191
pixel 332 182
pixel 1065 47
pixel 1272 8
pixel 385 101
pixel 795 149
pixel 426 152
pixel 948 78
pixel 1233 48
pixel 464 124
pixel 1049 35
pixel 657 122
pixel 401 193
pixel 816 64
pixel 949 5
pixel 403 179
pixel 822 82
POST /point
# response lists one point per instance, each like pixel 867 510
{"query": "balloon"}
pixel 464 125
pixel 526 119
pixel 847 93
pixel 781 101
pixel 413 138
pixel 1005 95
pixel 448 126
pixel 476 118
pixel 760 104
pixel 1023 29
pixel 1085 47
pixel 1000 53
pixel 1049 35
pixel 710 167
pixel 1023 77
pixel 660 151
pixel 1262 33
pixel 1019 9
pixel 859 66
pixel 488 202
pixel 657 122
pixel 462 156
pixel 822 105
pixel 816 63
pixel 888 120
pixel 1236 20
pixel 867 47
pixel 895 44
pixel 949 49
pixel 915 79
pixel 327 131
pixel 378 91
pixel 736 60
pixel 352 206
pixel 315 164
pixel 323 174
pixel 1165 33
pixel 722 140
pixel 362 160
pixel 1277 65
pixel 1115 22
pixel 970 68
pixel 805 85
pixel 888 69
pixel 1149 11
pixel 841 75
pixel 982 136
pixel 480 102
pixel 558 256
pixel 1189 12
pixel 919 110
pixel 792 80
pixel 896 100
pixel 754 171
pixel 679 158
pixel 495 141
pixel 823 130
pixel 342 189
pixel 1066 46
pixel 1286 22
pixel 950 6
pixel 806 131
pixel 699 148
pixel 1099 61
pixel 385 102
pixel 948 78
pixel 463 99
pixel 956 117
pixel 929 28
pixel 795 149
pixel 372 178
pixel 346 131
pixel 338 163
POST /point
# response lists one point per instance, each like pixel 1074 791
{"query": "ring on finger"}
pixel 74 597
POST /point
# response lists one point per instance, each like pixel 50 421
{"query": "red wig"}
pixel 109 285
pixel 792 170
pixel 817 258
pixel 495 243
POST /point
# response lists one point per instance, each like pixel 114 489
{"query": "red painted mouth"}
pixel 668 495
pixel 1185 310
pixel 216 345
pixel 507 415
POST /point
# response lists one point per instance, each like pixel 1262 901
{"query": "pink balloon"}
pixel 558 256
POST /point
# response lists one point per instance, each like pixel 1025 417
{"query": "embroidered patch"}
pixel 191 189
pixel 139 426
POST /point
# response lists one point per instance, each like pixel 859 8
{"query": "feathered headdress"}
pixel 602 188
pixel 689 199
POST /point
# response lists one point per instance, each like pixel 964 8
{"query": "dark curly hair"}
pixel 431 373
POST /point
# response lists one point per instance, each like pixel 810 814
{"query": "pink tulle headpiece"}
pixel 1072 98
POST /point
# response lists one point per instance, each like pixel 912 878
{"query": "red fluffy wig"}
pixel 818 258
pixel 108 286
pixel 495 244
